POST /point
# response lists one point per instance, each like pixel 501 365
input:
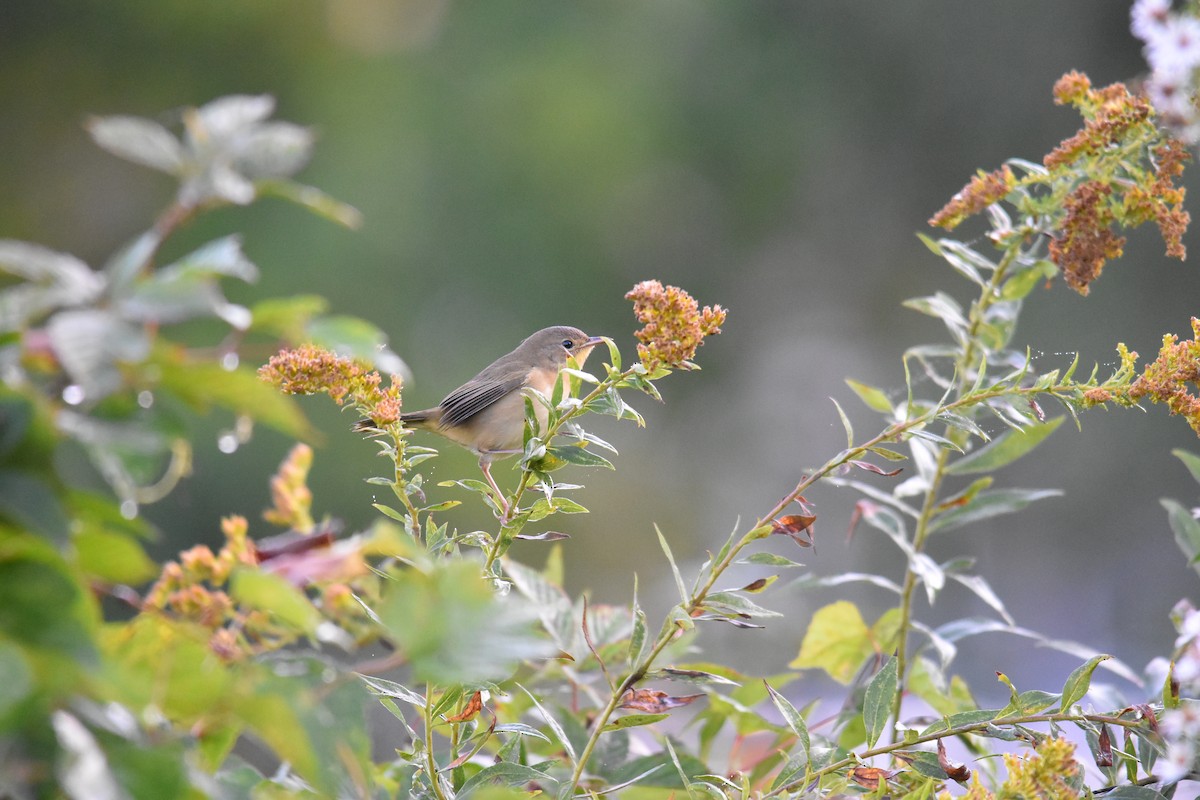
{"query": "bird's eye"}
pixel 567 343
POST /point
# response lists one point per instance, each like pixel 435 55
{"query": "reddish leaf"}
pixel 341 562
pixel 954 770
pixel 1104 752
pixel 796 526
pixel 1037 411
pixel 869 467
pixel 870 777
pixel 652 701
pixel 295 542
pixel 473 707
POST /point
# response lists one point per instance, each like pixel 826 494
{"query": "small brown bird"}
pixel 486 414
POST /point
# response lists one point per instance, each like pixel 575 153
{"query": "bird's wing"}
pixel 477 394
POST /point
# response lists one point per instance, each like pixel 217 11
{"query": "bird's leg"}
pixel 485 465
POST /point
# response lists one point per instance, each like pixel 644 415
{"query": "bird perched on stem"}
pixel 486 414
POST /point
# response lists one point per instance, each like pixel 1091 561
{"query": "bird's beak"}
pixel 592 341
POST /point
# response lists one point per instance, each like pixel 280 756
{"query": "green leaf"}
pixel 505 774
pixel 356 338
pixel 204 383
pixel 313 199
pixel 989 504
pixel 768 560
pixel 837 641
pixel 554 725
pixel 18 675
pixel 1190 460
pixel 875 399
pixel 793 718
pixel 27 501
pixel 1004 449
pixel 1186 529
pixel 574 454
pixel 1131 792
pixel 544 508
pixel 113 557
pixel 1078 682
pixel 271 593
pixel 287 317
pixel 634 721
pixel 880 695
pixel 666 548
pixel 454 628
pixel 845 423
pixel 40 605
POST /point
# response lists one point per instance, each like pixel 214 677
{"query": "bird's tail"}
pixel 417 419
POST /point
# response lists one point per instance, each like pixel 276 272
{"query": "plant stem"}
pixel 500 543
pixel 1029 719
pixel 435 781
pixel 695 601
pixel 964 364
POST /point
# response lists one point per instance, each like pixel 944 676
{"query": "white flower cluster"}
pixel 1173 52
pixel 1180 726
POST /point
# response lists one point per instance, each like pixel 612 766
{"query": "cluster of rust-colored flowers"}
pixel 1174 377
pixel 309 369
pixel 194 588
pixel 1118 170
pixel 674 325
pixel 983 190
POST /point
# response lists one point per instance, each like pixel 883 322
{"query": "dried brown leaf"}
pixel 473 707
pixel 653 701
pixel 954 770
pixel 870 777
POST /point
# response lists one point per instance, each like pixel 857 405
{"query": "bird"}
pixel 486 415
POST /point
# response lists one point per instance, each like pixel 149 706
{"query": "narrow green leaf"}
pixel 666 548
pixel 940 441
pixel 1004 449
pixel 793 718
pixel 890 455
pixel 313 199
pixel 388 511
pixel 634 721
pixel 875 399
pixel 989 504
pixel 1190 460
pixel 1078 682
pixel 845 423
pixel 768 560
pixel 1186 529
pixel 880 695
pixel 581 456
pixel 559 733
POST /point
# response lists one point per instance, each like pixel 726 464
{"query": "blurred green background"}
pixel 521 164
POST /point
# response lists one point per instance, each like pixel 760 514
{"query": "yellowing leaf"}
pixel 837 641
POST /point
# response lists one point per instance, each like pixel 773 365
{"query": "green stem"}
pixel 892 433
pixel 500 543
pixel 435 781
pixel 963 366
pixel 960 730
